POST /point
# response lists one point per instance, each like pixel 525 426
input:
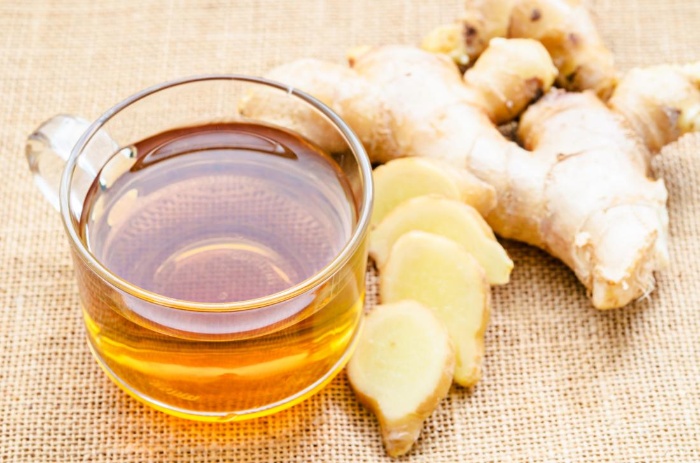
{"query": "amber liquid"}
pixel 214 214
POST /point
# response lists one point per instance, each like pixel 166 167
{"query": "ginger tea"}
pixel 221 213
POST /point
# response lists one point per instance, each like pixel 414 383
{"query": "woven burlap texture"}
pixel 562 381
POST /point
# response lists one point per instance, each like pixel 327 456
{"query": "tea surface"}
pixel 218 213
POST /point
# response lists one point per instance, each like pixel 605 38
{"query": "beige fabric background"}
pixel 562 382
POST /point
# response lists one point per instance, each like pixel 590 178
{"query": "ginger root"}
pixel 405 178
pixel 564 27
pixel 351 96
pixel 449 218
pixel 526 73
pixel 581 188
pixel 401 369
pixel 442 275
pixel 661 103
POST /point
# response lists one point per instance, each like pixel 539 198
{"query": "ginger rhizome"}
pixel 579 187
pixel 564 27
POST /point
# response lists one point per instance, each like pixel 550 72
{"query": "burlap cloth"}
pixel 562 381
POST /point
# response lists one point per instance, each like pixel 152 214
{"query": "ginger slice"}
pixel 442 275
pixel 404 178
pixel 401 369
pixel 452 219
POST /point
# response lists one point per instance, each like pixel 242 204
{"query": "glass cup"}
pixel 208 361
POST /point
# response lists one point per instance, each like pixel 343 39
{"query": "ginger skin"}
pixel 661 103
pixel 526 72
pixel 580 188
pixel 564 27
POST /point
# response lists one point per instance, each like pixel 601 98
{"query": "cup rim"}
pixel 300 288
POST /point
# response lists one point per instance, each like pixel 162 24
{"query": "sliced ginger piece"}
pixel 452 219
pixel 405 178
pixel 442 275
pixel 401 369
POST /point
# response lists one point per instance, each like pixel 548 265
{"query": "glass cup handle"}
pixel 49 147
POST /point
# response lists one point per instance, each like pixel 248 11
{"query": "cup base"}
pixel 231 416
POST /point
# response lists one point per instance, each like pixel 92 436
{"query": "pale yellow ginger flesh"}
pixel 564 27
pixel 442 275
pixel 447 217
pixel 581 188
pixel 401 369
pixel 405 178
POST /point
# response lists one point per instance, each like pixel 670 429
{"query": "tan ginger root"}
pixel 405 178
pixel 393 114
pixel 464 40
pixel 564 27
pixel 446 217
pixel 442 275
pixel 355 101
pixel 661 103
pixel 402 369
pixel 526 72
pixel 582 188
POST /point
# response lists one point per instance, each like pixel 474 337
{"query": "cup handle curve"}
pixel 49 147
